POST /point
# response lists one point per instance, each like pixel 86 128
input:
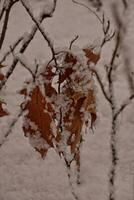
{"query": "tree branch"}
pixel 43 15
pixel 4 29
pixel 40 28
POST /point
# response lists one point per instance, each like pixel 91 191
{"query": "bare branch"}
pixel 112 66
pixel 93 12
pixel 24 64
pixel 125 3
pixel 107 36
pixel 124 105
pixel 71 43
pixel 106 31
pixel 102 86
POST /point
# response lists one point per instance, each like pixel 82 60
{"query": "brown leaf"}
pixel 1 76
pixel 91 56
pixel 63 76
pixel 69 58
pixel 37 122
pixel 2 111
pixel 42 108
pixel 78 103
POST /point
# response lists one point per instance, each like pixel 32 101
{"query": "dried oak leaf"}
pixel 39 117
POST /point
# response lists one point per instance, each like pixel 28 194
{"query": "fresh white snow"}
pixel 23 174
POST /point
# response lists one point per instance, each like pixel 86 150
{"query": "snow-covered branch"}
pixel 111 98
pixel 6 19
pixel 13 46
pixel 43 15
pixel 40 28
pixel 11 126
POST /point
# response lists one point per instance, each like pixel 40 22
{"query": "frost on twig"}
pixel 42 15
pixel 11 126
pixel 110 94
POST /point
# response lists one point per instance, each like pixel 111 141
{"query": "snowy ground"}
pixel 23 174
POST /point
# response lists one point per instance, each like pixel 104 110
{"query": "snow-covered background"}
pixel 23 174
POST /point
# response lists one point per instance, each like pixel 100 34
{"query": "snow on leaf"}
pixel 39 116
pixel 55 118
pixel 81 99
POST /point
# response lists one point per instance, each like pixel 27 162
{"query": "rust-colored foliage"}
pixel 55 118
pixel 39 115
pixel 79 103
pixel 1 77
pixel 92 57
pixel 2 111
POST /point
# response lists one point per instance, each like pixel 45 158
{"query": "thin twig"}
pixel 6 19
pixel 71 43
pixel 124 105
pixel 93 12
pixel 112 66
pixel 125 3
pixel 102 86
pixel 36 67
pixel 13 123
pixel 107 36
pixel 106 28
